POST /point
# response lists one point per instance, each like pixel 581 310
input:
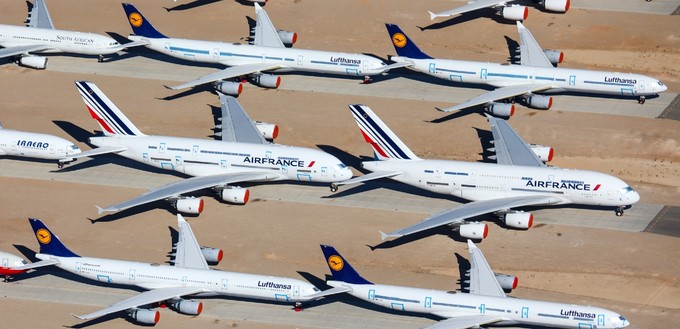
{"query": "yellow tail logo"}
pixel 399 40
pixel 335 263
pixel 43 236
pixel 136 19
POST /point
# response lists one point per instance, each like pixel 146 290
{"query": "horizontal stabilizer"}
pixel 93 152
pixel 41 263
pixel 368 177
pixel 324 293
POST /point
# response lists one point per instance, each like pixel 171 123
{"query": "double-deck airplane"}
pixel 242 155
pixel 534 76
pixel 520 178
pixel 256 62
pixel 504 8
pixel 35 145
pixel 485 304
pixel 40 36
pixel 188 276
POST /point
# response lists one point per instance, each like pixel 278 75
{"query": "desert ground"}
pixel 633 273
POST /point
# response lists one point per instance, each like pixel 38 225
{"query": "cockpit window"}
pixel 340 166
pixel 73 147
pixel 316 289
pixel 622 318
pixel 626 190
pixel 660 83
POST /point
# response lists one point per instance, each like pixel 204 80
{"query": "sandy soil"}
pixel 632 273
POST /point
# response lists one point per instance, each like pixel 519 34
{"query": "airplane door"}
pixel 300 60
pixel 216 53
pixel 167 46
pixel 324 171
pixel 371 294
pixel 79 266
pixel 5 262
pixel 364 66
pixel 483 74
pixel 223 164
pixel 133 274
pixel 572 80
pixel 600 320
pixel 178 160
pixel 145 157
pixel 183 280
pixel 482 308
pixel 433 68
pixel 525 312
pixel 296 291
pixel 225 284
pixel 161 148
pixel 428 302
pixel 194 150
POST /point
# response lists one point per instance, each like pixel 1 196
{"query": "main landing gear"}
pixel 641 99
pixel 367 80
pixel 100 58
pixel 619 211
pixel 334 188
pixel 298 307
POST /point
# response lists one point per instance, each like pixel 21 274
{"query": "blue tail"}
pixel 49 242
pixel 403 45
pixel 140 25
pixel 340 268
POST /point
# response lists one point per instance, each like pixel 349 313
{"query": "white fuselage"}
pixel 483 181
pixel 214 282
pixel 513 310
pixel 561 79
pixel 34 145
pixel 58 40
pixel 290 59
pixel 199 157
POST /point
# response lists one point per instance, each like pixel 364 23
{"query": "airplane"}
pixel 515 12
pixel 520 178
pixel 39 36
pixel 242 155
pixel 268 54
pixel 535 74
pixel 35 145
pixel 12 265
pixel 188 276
pixel 485 304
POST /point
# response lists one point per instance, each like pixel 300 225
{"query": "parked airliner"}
pixel 520 178
pixel 35 145
pixel 243 155
pixel 188 276
pixel 256 62
pixel 40 36
pixel 485 304
pixel 505 8
pixel 535 74
pixel 12 265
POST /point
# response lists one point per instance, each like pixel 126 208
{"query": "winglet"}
pixel 78 316
pixel 100 210
pixel 471 245
pixel 383 235
pixel 432 15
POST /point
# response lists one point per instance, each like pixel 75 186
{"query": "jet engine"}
pixel 186 306
pixel 145 316
pixel 515 12
pixel 519 219
pixel 501 109
pixel 212 255
pixel 539 102
pixel 36 62
pixel 544 153
pixel 192 206
pixel 287 37
pixel 268 130
pixel 559 6
pixel 229 87
pixel 474 230
pixel 266 80
pixel 235 194
pixel 507 282
pixel 554 56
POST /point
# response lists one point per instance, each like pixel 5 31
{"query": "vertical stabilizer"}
pixel 403 45
pixel 340 268
pixel 48 241
pixel 385 143
pixel 140 25
pixel 110 118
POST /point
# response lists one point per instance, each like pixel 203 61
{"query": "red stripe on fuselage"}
pixel 597 187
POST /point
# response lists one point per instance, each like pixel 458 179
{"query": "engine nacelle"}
pixel 544 153
pixel 212 255
pixel 559 6
pixel 192 206
pixel 519 219
pixel 229 88
pixel 268 130
pixel 515 12
pixel 507 282
pixel 474 230
pixel 554 56
pixel 145 316
pixel 36 62
pixel 235 194
pixel 539 102
pixel 267 80
pixel 189 307
pixel 287 37
pixel 501 109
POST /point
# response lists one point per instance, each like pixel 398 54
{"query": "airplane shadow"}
pixel 190 5
pixel 348 159
pixel 463 271
pixel 77 133
pixel 513 52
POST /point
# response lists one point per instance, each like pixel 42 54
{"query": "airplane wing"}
pixel 230 72
pixel 482 279
pixel 18 50
pixel 236 124
pixel 328 292
pixel 531 53
pixel 95 151
pixel 465 321
pixel 472 6
pixel 459 214
pixel 41 263
pixel 499 93
pixel 265 32
pixel 396 65
pixel 39 16
pixel 188 185
pixel 134 44
pixel 510 148
pixel 145 298
pixel 368 177
pixel 188 252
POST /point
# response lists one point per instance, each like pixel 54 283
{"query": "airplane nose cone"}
pixel 633 197
pixel 346 174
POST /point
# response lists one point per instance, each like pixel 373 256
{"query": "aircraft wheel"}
pixel 641 100
pixel 619 213
pixel 334 188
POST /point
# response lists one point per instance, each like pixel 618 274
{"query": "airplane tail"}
pixel 140 25
pixel 49 242
pixel 386 145
pixel 340 268
pixel 110 118
pixel 403 45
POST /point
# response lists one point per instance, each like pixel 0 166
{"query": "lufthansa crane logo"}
pixel 43 236
pixel 399 40
pixel 336 263
pixel 136 19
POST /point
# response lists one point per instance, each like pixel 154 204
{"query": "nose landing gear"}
pixel 641 99
pixel 619 211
